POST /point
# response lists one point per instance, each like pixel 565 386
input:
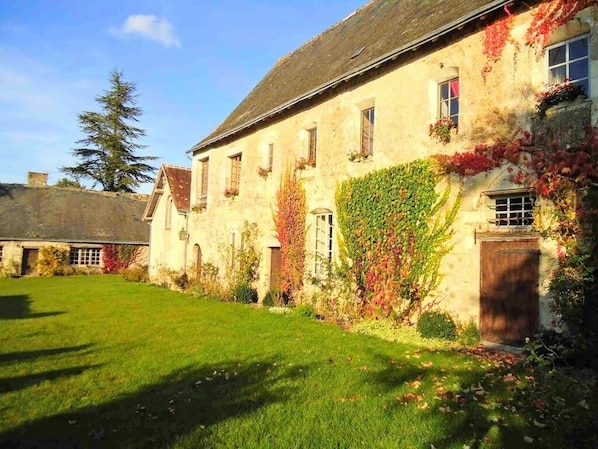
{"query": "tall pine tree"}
pixel 107 153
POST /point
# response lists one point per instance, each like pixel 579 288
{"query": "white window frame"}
pixel 445 103
pixel 584 81
pixel 367 129
pixel 90 257
pixel 323 243
pixel 513 210
pixel 312 145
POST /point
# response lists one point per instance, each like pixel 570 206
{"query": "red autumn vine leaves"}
pixel 289 222
pixel 550 16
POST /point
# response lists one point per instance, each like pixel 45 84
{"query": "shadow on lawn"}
pixel 191 400
pixel 12 357
pixel 466 414
pixel 9 384
pixel 18 307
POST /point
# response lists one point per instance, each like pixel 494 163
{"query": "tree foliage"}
pixel 67 182
pixel 107 153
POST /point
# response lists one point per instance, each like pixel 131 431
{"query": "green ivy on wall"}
pixel 394 236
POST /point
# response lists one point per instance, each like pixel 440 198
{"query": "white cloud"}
pixel 149 27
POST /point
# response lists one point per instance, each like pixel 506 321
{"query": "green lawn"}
pixel 98 362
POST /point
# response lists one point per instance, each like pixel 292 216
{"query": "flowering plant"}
pixel 441 130
pixel 263 172
pixel 302 163
pixel 556 94
pixel 231 192
pixel 357 156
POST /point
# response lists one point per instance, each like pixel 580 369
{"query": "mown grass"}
pixel 99 362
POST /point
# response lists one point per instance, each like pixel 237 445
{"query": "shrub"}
pixel 469 334
pixel 272 298
pixel 12 270
pixel 52 260
pixel 305 310
pixel 245 293
pixel 136 273
pixel 436 324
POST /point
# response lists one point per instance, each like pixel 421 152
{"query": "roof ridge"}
pixel 176 166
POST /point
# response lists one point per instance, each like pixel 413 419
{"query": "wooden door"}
pixel 29 261
pixel 509 290
pixel 197 258
pixel 275 263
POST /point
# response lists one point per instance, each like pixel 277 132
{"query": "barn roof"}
pixel 179 182
pixel 377 33
pixel 71 215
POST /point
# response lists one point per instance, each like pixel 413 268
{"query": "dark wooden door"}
pixel 275 263
pixel 509 290
pixel 29 262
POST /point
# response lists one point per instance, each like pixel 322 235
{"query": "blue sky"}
pixel 193 62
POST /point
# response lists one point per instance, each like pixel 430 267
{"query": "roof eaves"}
pixel 373 64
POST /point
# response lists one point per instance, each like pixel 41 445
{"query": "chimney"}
pixel 37 179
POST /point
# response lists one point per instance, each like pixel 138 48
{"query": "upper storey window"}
pixel 569 60
pixel 448 99
pixel 312 145
pixel 367 131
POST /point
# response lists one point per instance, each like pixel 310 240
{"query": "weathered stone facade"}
pixel 404 94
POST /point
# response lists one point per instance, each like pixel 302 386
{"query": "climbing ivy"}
pixel 394 236
pixel 289 222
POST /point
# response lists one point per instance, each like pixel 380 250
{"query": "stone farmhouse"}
pixel 167 211
pixel 34 215
pixel 361 97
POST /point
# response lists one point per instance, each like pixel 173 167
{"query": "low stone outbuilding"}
pixel 34 215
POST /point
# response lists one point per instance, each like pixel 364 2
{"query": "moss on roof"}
pixel 71 215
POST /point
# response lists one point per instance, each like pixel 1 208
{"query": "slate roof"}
pixel 179 181
pixel 71 215
pixel 386 30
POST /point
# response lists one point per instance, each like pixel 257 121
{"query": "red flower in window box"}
pixel 557 94
pixel 441 130
pixel 231 192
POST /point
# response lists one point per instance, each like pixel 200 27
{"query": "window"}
pixel 270 157
pixel 367 131
pixel 323 250
pixel 235 173
pixel 85 256
pixel 515 210
pixel 312 144
pixel 448 100
pixel 203 188
pixel 168 213
pixel 569 61
pixel 1 253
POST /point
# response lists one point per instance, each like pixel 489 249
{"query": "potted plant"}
pixel 358 156
pixel 231 192
pixel 441 130
pixel 263 172
pixel 556 94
